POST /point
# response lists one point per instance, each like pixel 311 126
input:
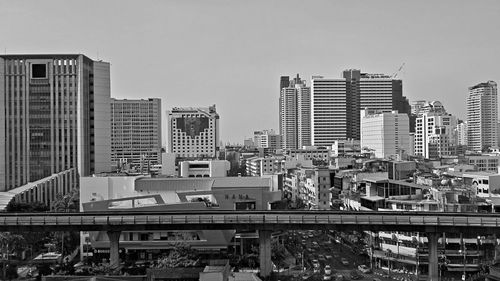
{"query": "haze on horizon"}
pixel 232 53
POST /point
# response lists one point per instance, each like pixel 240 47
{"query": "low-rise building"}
pixel 204 169
pixel 139 193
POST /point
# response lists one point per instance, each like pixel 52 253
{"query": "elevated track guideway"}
pixel 267 220
pixel 430 223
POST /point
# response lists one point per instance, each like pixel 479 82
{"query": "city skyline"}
pixel 224 45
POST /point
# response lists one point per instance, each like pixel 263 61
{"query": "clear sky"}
pixel 232 53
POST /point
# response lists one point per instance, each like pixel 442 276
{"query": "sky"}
pixel 232 53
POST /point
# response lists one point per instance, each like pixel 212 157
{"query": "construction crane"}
pixel 398 71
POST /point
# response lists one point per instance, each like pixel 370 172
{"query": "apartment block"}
pixel 136 132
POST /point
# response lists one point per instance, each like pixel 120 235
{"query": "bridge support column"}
pixel 265 253
pixel 114 248
pixel 432 238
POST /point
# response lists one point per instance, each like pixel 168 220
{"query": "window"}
pixel 38 70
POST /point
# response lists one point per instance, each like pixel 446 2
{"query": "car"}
pixel 305 276
pixel 328 257
pixel 339 277
pixel 328 269
pixel 327 277
pixel 315 263
pixel 376 279
pixel 316 270
pixel 321 258
pixel 311 235
pixel 344 261
pixel 363 268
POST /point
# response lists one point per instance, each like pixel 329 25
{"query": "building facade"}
pixel 336 103
pixel 267 139
pixel 386 134
pixel 482 116
pixel 328 111
pixel 57 111
pixel 295 113
pixel 435 134
pixel 193 132
pixel 136 132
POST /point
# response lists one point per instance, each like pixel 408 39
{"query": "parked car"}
pixel 328 257
pixel 327 277
pixel 321 258
pixel 328 269
pixel 344 261
pixel 363 268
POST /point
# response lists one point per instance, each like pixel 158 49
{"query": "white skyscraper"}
pixel 435 134
pixel 386 133
pixel 482 116
pixel 462 133
pixel 193 132
pixel 295 114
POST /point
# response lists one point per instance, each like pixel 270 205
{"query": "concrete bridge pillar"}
pixel 114 248
pixel 265 253
pixel 432 240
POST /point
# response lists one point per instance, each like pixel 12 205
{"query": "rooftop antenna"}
pixel 398 71
pixel 97 54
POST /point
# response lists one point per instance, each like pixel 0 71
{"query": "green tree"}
pixel 180 256
pixel 278 254
pixel 67 203
pixel 10 244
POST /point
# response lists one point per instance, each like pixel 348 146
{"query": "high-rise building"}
pixel 267 139
pixel 462 133
pixel 435 134
pixel 386 133
pixel 328 111
pixel 55 112
pixel 136 132
pixel 295 114
pixel 193 132
pixel 336 103
pixel 482 116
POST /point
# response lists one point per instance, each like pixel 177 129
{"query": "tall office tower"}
pixel 55 113
pixel 386 133
pixel 267 139
pixel 435 134
pixel 352 93
pixel 295 114
pixel 482 116
pixel 462 133
pixel 373 91
pixel 136 132
pixel 193 132
pixel 328 111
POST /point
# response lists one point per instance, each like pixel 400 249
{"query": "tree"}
pixel 67 203
pixel 278 254
pixel 10 244
pixel 180 256
pixel 20 207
